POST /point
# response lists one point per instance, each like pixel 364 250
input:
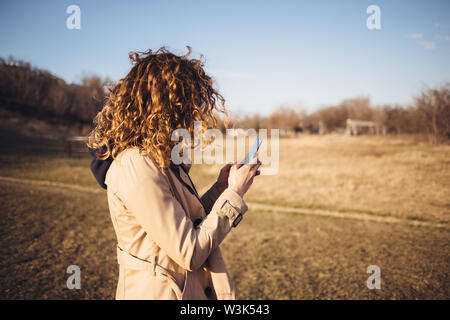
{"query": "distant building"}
pixel 358 127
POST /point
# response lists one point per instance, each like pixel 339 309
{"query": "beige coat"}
pixel 168 246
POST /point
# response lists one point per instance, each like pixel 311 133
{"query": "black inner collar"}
pixel 175 169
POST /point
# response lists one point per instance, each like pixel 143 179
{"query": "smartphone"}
pixel 253 151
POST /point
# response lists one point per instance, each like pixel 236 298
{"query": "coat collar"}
pixel 182 174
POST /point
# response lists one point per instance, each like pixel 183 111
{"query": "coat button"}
pixel 197 222
pixel 208 291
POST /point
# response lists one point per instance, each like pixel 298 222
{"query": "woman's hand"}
pixel 241 176
pixel 222 180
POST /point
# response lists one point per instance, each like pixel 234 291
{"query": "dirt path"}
pixel 344 215
pixel 52 184
pixel 257 206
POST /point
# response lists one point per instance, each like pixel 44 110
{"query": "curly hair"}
pixel 161 93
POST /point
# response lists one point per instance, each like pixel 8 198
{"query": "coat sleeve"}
pixel 147 195
pixel 210 197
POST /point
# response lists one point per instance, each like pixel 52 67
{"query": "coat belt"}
pixel 132 262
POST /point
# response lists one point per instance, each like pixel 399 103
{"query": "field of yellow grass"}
pixel 376 175
pixel 54 215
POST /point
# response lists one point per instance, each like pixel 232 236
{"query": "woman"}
pixel 168 236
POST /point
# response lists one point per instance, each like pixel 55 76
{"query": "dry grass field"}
pixel 375 175
pixel 54 215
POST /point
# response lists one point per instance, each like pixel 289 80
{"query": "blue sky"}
pixel 263 54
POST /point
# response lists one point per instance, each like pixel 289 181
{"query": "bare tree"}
pixel 433 106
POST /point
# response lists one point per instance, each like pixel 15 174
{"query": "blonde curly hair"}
pixel 161 93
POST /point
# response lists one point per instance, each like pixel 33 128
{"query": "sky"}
pixel 262 54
